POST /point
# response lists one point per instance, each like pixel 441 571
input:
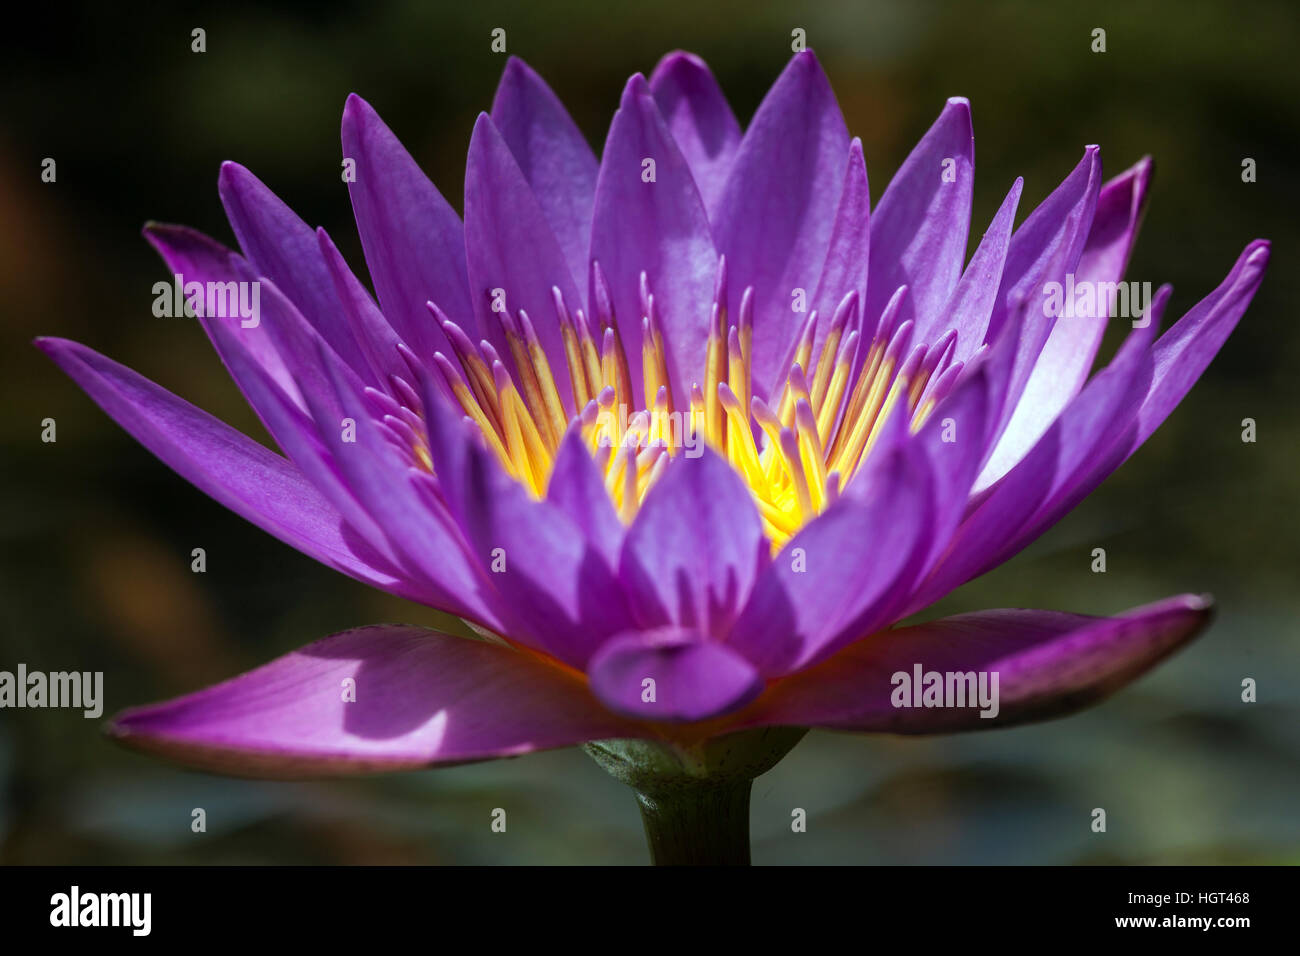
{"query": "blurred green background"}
pixel 94 568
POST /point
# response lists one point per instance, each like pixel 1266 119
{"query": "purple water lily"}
pixel 682 433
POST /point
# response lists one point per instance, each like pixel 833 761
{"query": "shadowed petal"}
pixel 421 699
pixel 413 240
pixel 776 214
pixel 1047 663
pixel 553 156
pixel 701 122
pixel 672 674
pixel 918 232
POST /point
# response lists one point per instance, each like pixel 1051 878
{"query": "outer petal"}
pixel 553 156
pixel 509 246
pixel 227 466
pixel 695 548
pixel 1047 663
pixel 775 217
pixel 694 678
pixel 659 228
pixel 422 699
pixel 701 122
pixel 918 233
pixel 413 240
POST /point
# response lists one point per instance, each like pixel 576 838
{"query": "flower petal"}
pixel 918 232
pixel 695 548
pixel 577 488
pixel 286 250
pixel 1047 663
pixel 1045 248
pixel 553 156
pixel 700 119
pixel 413 240
pixel 844 573
pixel 558 592
pixel 421 699
pixel 659 228
pixel 971 305
pixel 693 678
pixel 776 214
pixel 225 465
pixel 509 246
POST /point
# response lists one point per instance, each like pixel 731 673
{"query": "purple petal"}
pixel 421 699
pixel 1047 663
pixel 918 232
pixel 285 249
pixel 777 212
pixel 1062 367
pixel 413 240
pixel 673 675
pixel 1186 350
pixel 225 465
pixel 559 594
pixel 1070 448
pixel 553 156
pixel 1045 248
pixel 695 548
pixel 701 122
pixel 844 573
pixel 509 246
pixel 380 480
pixel 972 301
pixel 657 227
pixel 577 488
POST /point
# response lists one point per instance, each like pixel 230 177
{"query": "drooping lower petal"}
pixel 373 700
pixel 1047 663
pixel 672 675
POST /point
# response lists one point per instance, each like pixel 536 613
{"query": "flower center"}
pixel 795 452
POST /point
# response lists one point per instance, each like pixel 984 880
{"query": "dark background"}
pixel 95 567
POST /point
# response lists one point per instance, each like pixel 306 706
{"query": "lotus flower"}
pixel 683 433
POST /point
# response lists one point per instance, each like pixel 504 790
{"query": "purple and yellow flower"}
pixel 683 432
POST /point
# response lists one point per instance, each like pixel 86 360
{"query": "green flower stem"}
pixel 694 799
pixel 706 825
